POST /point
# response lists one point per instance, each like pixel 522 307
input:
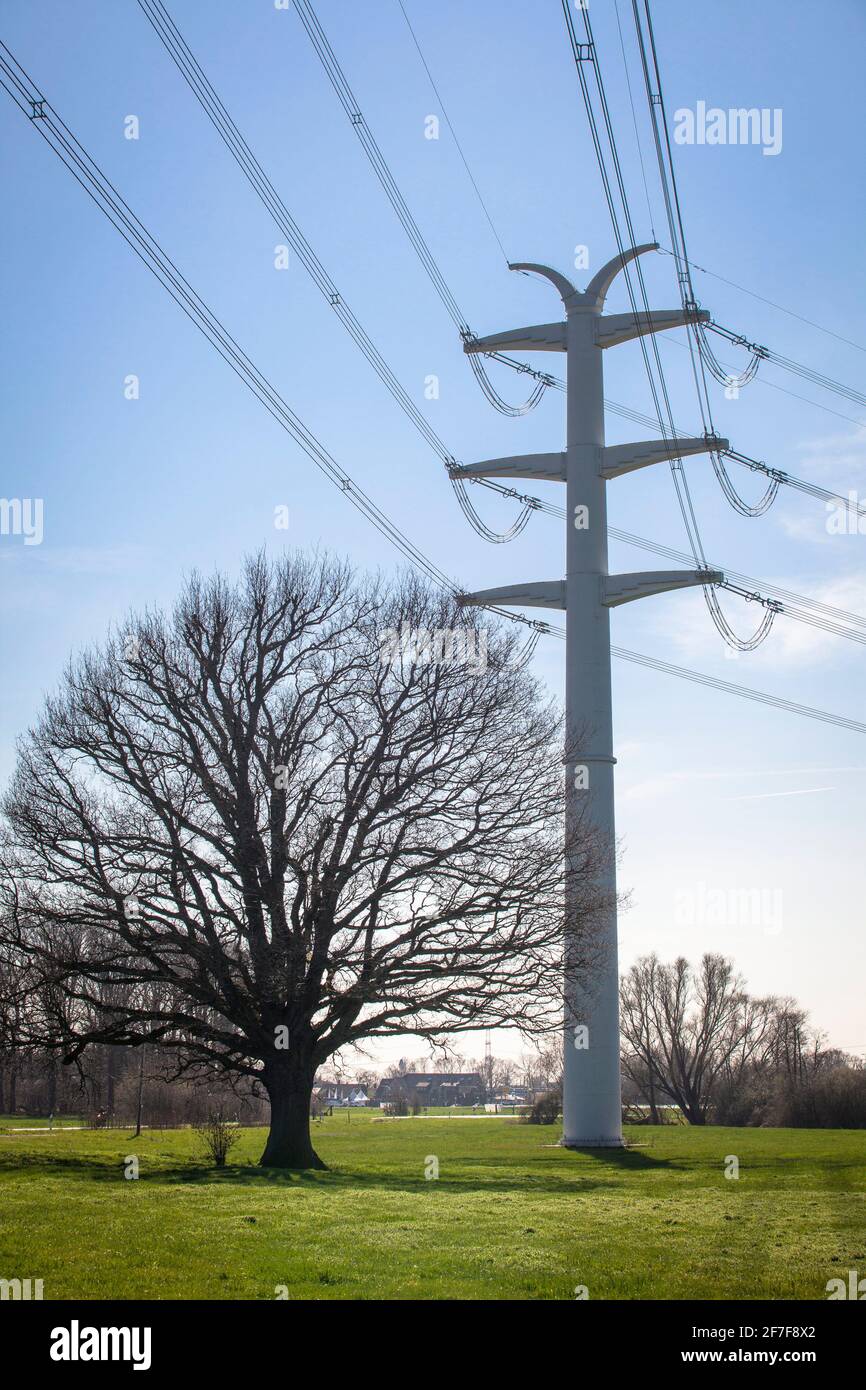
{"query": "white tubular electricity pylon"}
pixel 591 1080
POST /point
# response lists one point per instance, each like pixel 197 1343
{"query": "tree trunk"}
pixel 140 1091
pixel 109 1082
pixel 653 1107
pixel 289 1085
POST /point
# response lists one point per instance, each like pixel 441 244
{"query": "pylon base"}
pixel 591 1144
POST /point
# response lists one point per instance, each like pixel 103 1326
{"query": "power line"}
pixel 699 351
pixel 189 67
pixel 57 135
pixel 772 302
pixel 31 101
pixel 379 165
pixel 756 465
pixel 775 386
pixel 214 108
pixel 454 135
pixel 637 138
pixel 667 170
pixel 837 616
pixel 744 692
pixel 797 368
pixel 585 56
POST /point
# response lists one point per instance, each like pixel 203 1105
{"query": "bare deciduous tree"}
pixel 683 1029
pixel 240 834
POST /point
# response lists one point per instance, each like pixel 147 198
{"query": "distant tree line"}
pixel 695 1038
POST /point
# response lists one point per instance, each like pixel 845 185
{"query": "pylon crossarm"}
pixel 624 588
pixel 566 289
pixel 549 468
pixel 603 279
pixel 548 593
pixel 625 458
pixel 613 329
pixel 538 337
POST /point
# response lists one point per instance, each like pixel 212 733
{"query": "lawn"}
pixel 41 1122
pixel 509 1216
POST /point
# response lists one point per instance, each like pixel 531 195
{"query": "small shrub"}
pixel 218 1136
pixel 545 1110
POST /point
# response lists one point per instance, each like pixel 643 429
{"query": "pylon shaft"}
pixel 591 1080
pixel 591 1103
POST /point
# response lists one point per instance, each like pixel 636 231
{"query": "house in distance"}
pixel 432 1088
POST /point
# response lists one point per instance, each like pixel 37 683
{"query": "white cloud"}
pixel 834 461
pixel 834 453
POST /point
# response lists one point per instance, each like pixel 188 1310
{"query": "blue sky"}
pixel 716 797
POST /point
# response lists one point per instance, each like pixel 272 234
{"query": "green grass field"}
pixel 510 1215
pixel 41 1122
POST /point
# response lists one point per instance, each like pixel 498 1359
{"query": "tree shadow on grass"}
pixel 548 1169
pixel 484 1174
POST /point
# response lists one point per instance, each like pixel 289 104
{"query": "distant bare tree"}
pixel 544 1065
pixel 683 1029
pixel 258 830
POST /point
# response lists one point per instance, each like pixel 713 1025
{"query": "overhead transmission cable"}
pixel 743 691
pixel 454 136
pixel 771 302
pixel 798 368
pixel 777 477
pixel 800 484
pixel 667 170
pixel 214 108
pixel 673 210
pixel 752 464
pixel 57 135
pixel 197 80
pixel 585 56
pixel 378 163
pixel 31 101
pixel 697 339
pixel 634 120
pixel 671 341
pixel 834 621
